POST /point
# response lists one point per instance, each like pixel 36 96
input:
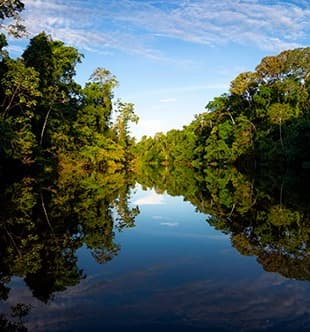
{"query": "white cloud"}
pixel 150 198
pixel 214 22
pixel 134 26
pixel 83 25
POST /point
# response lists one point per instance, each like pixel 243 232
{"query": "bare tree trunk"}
pixel 280 130
pixel 44 124
pixel 12 240
pixel 45 212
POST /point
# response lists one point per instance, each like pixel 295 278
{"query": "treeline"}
pixel 264 119
pixel 48 119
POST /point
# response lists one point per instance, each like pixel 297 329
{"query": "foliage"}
pixel 45 114
pixel 52 127
pixel 43 223
pixel 80 141
pixel 262 120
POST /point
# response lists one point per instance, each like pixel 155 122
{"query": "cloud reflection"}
pixel 170 224
pixel 150 198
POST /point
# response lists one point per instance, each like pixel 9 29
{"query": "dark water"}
pixel 175 270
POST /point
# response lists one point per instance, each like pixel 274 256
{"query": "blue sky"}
pixel 171 57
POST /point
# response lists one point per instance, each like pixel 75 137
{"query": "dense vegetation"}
pixel 264 119
pixel 45 114
pixel 68 153
pixel 65 161
pixel 237 163
pixel 47 119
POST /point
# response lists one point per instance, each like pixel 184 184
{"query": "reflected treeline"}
pixel 15 322
pixel 267 216
pixel 44 223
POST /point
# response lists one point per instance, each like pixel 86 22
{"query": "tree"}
pixel 98 94
pixel 126 115
pixel 3 43
pixel 55 64
pixel 245 85
pixel 19 87
pixel 18 94
pixel 279 113
pixel 11 9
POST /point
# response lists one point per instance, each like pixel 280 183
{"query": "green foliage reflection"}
pixel 43 224
pixel 266 216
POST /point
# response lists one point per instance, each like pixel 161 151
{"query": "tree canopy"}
pixel 264 119
pixel 45 113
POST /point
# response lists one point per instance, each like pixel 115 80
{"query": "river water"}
pixel 173 272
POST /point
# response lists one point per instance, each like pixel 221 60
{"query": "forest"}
pixel 46 117
pixel 263 120
pixel 68 163
pixel 49 122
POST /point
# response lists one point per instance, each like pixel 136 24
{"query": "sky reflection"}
pixel 173 273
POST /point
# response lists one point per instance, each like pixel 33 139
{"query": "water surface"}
pixel 172 272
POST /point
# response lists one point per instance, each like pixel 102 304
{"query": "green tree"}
pixel 279 113
pixel 55 64
pixel 19 92
pixel 98 94
pixel 126 115
pixel 19 86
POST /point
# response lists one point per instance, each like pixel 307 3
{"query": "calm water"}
pixel 173 272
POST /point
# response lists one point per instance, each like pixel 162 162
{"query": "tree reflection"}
pixel 43 223
pixel 15 323
pixel 267 216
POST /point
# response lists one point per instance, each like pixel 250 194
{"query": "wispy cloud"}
pixel 158 217
pixel 169 224
pixel 168 100
pixel 136 27
pixel 166 221
pixel 82 24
